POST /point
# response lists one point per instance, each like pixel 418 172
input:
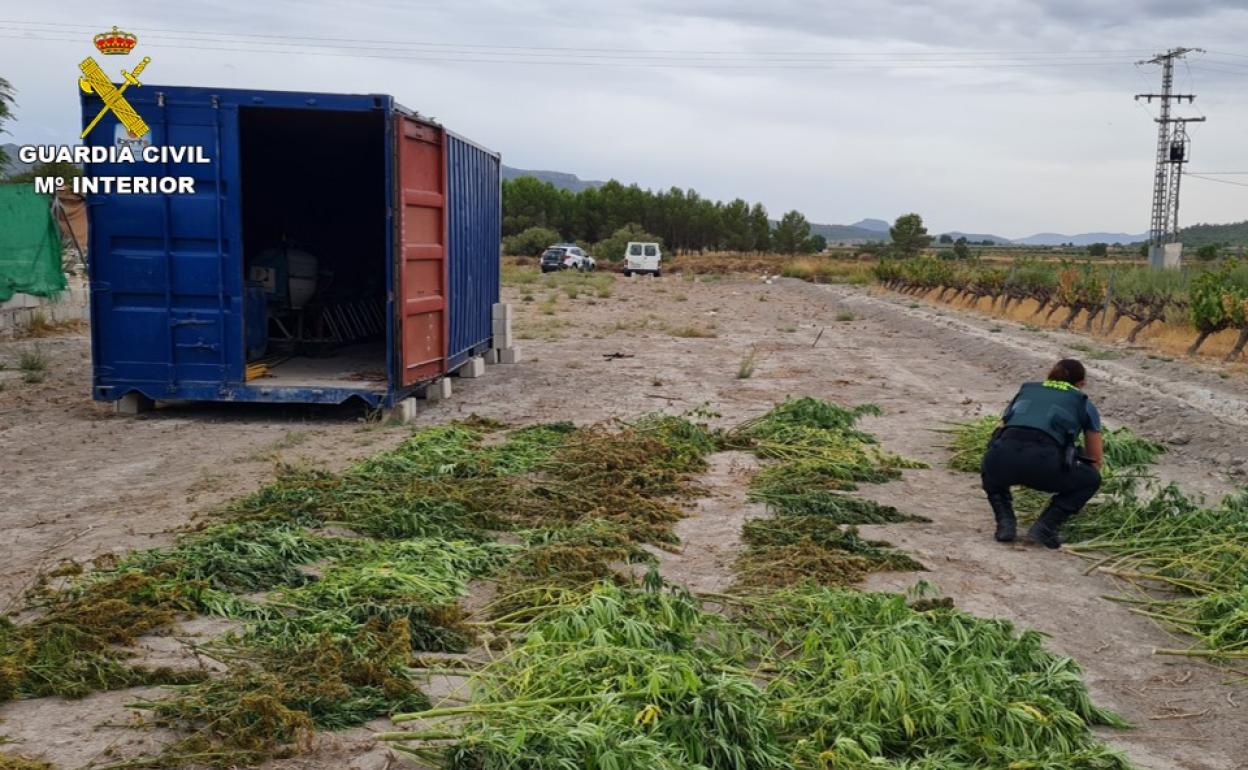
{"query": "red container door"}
pixel 422 250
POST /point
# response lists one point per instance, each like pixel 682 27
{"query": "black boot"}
pixel 1003 511
pixel 1044 531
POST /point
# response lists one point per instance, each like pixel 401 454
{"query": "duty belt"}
pixel 1031 435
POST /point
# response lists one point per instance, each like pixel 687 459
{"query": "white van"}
pixel 643 258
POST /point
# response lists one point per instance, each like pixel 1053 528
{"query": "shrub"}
pixel 612 248
pixel 1208 252
pixel 531 242
pixel 33 360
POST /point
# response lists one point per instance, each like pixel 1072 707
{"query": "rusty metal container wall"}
pixel 474 234
pixel 422 270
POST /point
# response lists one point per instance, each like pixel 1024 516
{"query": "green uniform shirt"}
pixel 1057 408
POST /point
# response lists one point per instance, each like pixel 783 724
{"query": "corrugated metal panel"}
pixel 474 200
pixel 166 270
pixel 422 240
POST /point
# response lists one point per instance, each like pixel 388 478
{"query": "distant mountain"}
pixel 848 233
pixel 560 179
pixel 15 166
pixel 977 237
pixel 874 225
pixel 1082 239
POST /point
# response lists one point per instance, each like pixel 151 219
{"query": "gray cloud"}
pixel 1005 149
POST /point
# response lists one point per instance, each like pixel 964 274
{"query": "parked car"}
pixel 643 258
pixel 566 256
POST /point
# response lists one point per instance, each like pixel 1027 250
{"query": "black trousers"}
pixel 1037 463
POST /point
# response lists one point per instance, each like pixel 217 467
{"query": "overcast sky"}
pixel 1010 116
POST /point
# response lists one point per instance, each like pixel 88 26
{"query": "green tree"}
pixel 792 234
pixel 909 236
pixel 760 228
pixel 816 244
pixel 530 243
pixel 529 202
pixel 1144 249
pixel 612 248
pixel 947 238
pixel 961 250
pixel 734 222
pixel 1208 252
pixel 706 226
pixel 6 114
pixel 1098 249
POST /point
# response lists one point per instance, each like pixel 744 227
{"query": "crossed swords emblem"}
pixel 94 80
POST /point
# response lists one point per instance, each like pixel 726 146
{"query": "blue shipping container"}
pixel 351 189
pixel 474 206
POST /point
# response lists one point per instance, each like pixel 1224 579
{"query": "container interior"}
pixel 314 247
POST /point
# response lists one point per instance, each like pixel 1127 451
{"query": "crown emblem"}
pixel 116 42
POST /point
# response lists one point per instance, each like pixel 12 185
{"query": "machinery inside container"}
pixel 314 247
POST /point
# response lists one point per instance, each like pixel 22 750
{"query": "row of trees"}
pixel 682 219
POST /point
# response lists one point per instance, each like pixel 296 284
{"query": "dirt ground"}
pixel 80 482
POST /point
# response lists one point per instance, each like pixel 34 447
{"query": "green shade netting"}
pixel 30 244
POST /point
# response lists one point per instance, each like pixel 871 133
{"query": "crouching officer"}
pixel 1035 447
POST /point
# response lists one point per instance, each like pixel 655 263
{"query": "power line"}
pixel 201 34
pixel 626 61
pixel 1209 179
pixel 1222 63
pixel 1207 68
pixel 483 51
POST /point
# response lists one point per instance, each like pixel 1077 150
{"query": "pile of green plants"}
pixel 864 680
pixel 791 674
pixel 610 676
pixel 814 455
pixel 789 550
pixel 816 448
pixel 280 688
pixel 341 579
pixel 1188 558
pixel 75 645
pixel 345 584
pixel 646 677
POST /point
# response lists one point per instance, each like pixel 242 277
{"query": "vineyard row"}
pixel 1208 300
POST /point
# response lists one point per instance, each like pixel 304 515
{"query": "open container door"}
pixel 165 270
pixel 422 269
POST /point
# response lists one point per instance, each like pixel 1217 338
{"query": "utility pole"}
pixel 1172 144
